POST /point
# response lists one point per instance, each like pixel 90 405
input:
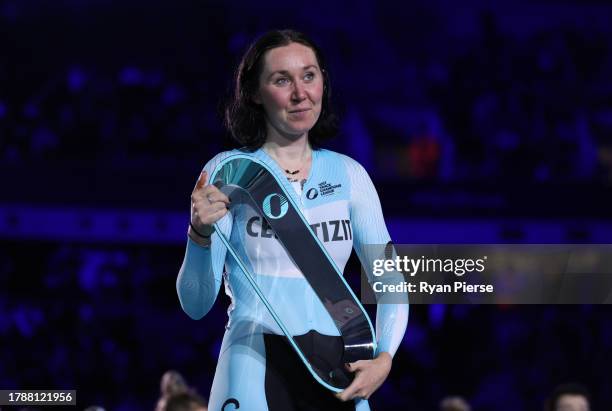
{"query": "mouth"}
pixel 299 110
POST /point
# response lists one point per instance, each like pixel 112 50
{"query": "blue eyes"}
pixel 308 77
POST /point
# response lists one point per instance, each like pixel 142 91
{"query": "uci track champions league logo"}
pixel 275 206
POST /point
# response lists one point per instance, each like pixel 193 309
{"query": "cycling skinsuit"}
pixel 342 207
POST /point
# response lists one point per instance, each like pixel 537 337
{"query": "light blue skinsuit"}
pixel 341 205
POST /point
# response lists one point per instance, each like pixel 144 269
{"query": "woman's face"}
pixel 290 90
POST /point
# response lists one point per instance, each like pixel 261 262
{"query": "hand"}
pixel 208 205
pixel 369 376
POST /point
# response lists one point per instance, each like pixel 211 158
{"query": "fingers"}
pixel 217 215
pixel 217 206
pixel 348 393
pixel 208 214
pixel 215 195
pixel 352 392
pixel 202 188
pixel 209 192
pixel 355 366
pixel 209 218
pixel 355 390
pixel 208 203
pixel 204 206
pixel 364 383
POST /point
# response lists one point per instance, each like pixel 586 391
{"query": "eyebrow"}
pixel 285 72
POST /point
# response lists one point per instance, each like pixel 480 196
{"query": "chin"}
pixel 296 132
pixel 295 135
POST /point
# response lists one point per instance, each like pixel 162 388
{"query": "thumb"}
pixel 202 180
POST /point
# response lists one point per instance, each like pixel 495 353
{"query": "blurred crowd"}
pixel 495 104
pixel 106 83
pixel 89 316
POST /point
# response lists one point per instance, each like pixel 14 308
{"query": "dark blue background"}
pixel 479 122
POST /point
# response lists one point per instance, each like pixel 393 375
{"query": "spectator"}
pixel 569 397
pixel 172 383
pixel 454 404
pixel 186 401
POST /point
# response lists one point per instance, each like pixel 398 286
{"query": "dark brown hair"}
pixel 245 119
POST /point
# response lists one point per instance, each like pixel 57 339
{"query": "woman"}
pixel 280 113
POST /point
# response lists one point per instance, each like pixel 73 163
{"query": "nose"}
pixel 299 93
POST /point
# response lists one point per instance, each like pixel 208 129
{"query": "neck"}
pixel 288 150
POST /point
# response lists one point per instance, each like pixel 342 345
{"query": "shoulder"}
pixel 352 166
pixel 213 162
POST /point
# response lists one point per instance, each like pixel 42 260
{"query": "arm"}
pixel 197 283
pixel 369 229
pixel 391 319
pixel 200 275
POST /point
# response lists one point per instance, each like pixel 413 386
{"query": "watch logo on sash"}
pixel 275 209
pixel 312 194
